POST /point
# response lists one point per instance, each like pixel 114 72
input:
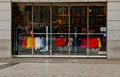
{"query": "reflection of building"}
pixel 86 29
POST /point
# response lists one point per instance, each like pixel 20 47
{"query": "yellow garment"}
pixel 34 43
pixel 99 43
pixel 28 42
pixel 31 42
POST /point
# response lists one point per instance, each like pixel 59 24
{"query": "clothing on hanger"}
pixel 70 41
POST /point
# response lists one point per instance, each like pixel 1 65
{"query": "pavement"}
pixel 59 67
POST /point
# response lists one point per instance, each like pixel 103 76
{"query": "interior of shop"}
pixel 72 29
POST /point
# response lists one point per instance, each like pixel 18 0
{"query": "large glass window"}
pixel 67 29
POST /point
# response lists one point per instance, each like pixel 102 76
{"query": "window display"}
pixel 71 29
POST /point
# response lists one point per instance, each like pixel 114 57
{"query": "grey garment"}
pixel 43 42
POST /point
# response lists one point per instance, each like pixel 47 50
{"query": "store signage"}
pixel 103 29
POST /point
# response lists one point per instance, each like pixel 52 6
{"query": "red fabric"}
pixel 93 43
pixel 84 43
pixel 24 43
pixel 60 42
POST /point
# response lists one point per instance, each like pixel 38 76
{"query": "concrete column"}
pixel 5 28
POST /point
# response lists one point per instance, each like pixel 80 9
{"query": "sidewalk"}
pixel 60 60
pixel 63 67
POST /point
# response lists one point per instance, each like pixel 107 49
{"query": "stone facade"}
pixel 113 20
pixel 113 23
pixel 5 29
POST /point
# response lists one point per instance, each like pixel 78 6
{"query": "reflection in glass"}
pixel 97 19
pixel 41 18
pixel 78 20
pixel 78 44
pixel 60 19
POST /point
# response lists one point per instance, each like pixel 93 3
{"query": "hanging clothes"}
pixel 53 41
pixel 29 41
pixel 70 41
pixel 99 43
pixel 93 43
pixel 42 42
pixel 60 41
pixel 37 43
pixel 84 43
pixel 24 43
pixel 32 42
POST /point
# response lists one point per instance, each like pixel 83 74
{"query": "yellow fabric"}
pixel 31 42
pixel 34 43
pixel 99 43
pixel 28 42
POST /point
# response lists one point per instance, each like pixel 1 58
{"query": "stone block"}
pixel 113 15
pixel 113 49
pixel 5 48
pixel 113 35
pixel 5 15
pixel 113 25
pixel 5 25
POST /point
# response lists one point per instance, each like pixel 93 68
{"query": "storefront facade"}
pixel 82 28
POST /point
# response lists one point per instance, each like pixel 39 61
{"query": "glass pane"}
pixel 41 18
pixel 97 19
pixel 59 44
pixel 78 44
pixel 60 19
pixel 100 10
pixel 41 28
pixel 97 44
pixel 100 20
pixel 91 10
pixel 78 19
pixel 22 17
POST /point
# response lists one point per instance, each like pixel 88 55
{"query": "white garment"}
pixel 37 43
pixel 43 42
pixel 40 42
pixel 70 41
